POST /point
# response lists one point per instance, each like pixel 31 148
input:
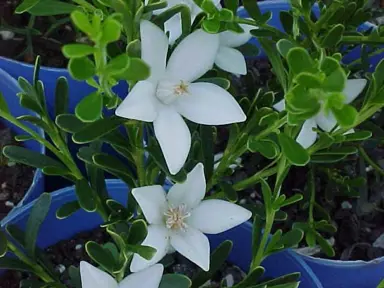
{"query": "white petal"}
pixel 174 138
pixel 209 104
pixel 231 60
pixel 173 26
pixel 307 136
pixel 92 277
pixel 353 88
pixel 191 192
pixel 140 103
pixel 154 48
pixel 193 57
pixel 193 245
pixel 233 39
pixel 152 201
pixel 216 216
pixel 157 238
pixel 280 106
pixel 326 122
pixel 148 278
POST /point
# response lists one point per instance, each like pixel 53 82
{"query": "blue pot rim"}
pixel 30 66
pixel 38 174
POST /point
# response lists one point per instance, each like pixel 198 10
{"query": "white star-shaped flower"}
pixel 326 122
pixel 92 277
pixel 177 220
pixel 168 94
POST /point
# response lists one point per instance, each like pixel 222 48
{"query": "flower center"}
pixel 168 91
pixel 175 217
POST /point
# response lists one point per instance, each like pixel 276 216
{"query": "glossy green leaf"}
pixel 218 258
pixel 252 8
pixel 3 244
pixel 61 96
pixel 292 238
pixel 69 123
pixel 299 60
pixel 77 50
pixel 232 5
pixel 291 200
pixel 229 192
pixel 342 150
pixel 324 226
pixel 346 116
pixel 85 196
pixel 265 147
pixel 136 71
pixel 51 8
pixel 74 275
pixel 11 263
pixel 294 152
pixel 207 149
pixel 81 68
pixel 147 252
pixel 67 209
pixel 111 30
pixel 100 255
pixel 137 232
pixel 3 104
pixel 285 281
pixel 324 244
pixel 284 45
pixel 38 213
pixel 267 196
pixel 81 21
pixel 327 158
pixel 25 5
pixel 252 278
pixel 333 37
pixel 90 107
pixel 175 281
pixel 309 80
pixel 357 136
pixel 286 20
pixel 274 242
pixel 117 65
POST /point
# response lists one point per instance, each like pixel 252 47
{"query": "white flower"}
pixel 92 277
pixel 177 220
pixel 326 122
pixel 228 58
pixel 168 94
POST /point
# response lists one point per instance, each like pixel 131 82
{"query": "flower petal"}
pixel 191 192
pixel 193 57
pixel 92 277
pixel 152 201
pixel 174 138
pixel 216 216
pixel 231 60
pixel 353 88
pixel 148 278
pixel 326 122
pixel 209 104
pixel 154 48
pixel 307 136
pixel 173 26
pixel 193 245
pixel 280 106
pixel 233 39
pixel 140 103
pixel 157 238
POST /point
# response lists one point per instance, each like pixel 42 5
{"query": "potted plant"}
pixel 20 183
pixel 188 56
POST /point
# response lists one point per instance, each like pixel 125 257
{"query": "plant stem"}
pixel 312 194
pixel 370 161
pixel 255 178
pixel 361 40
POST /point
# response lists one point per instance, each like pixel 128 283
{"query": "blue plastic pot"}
pixel 276 265
pixel 9 88
pixel 276 6
pixel 77 89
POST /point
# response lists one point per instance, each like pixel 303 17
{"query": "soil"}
pixel 48 44
pixel 68 253
pixel 15 179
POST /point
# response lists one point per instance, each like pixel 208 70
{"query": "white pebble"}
pixel 78 246
pixel 229 279
pixel 7 35
pixel 9 204
pixel 4 185
pixel 253 195
pixel 60 268
pixel 368 169
pixel 346 205
pixel 243 201
pixel 379 242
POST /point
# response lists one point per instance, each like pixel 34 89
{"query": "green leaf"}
pixel 267 196
pixel 343 150
pixel 218 257
pixel 292 238
pixel 262 33
pixel 291 200
pixel 81 68
pixel 286 20
pixel 3 104
pixel 381 284
pixel 211 25
pixel 284 281
pixel 67 209
pixel 97 129
pixel 175 281
pixel 357 136
pixel 232 5
pixel 28 102
pixel 265 147
pixel 229 192
pixel 252 278
pixel 25 6
pixel 3 244
pixel 28 157
pixel 51 8
pixel 36 218
pixel 100 255
pixel 74 275
pixel 85 196
pixel 325 246
pixel 61 96
pixel 69 123
pixel 77 50
pixel 346 116
pixel 137 70
pixel 335 82
pixel 324 226
pixel 294 152
pixel 257 230
pixel 299 61
pixel 90 107
pixel 11 263
pixel 147 252
pixel 309 80
pixel 137 232
pixel 207 148
pixel 111 31
pixel 117 65
pixel 333 37
pixel 274 242
pixel 327 158
pixel 80 19
pixel 284 45
pixel 252 8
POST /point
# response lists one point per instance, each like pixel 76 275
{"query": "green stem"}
pixel 370 161
pixel 37 269
pixel 312 194
pixel 139 157
pixel 361 40
pixel 241 185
